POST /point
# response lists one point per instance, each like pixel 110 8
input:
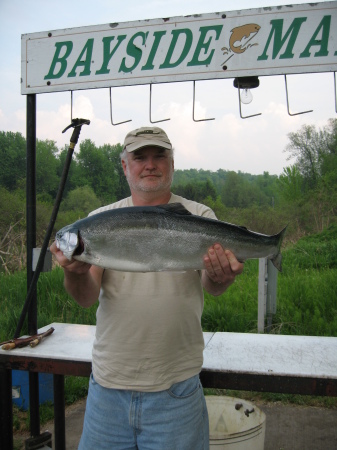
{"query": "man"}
pixel 144 389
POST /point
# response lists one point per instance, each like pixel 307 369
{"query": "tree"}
pixel 314 174
pixel 100 168
pixel 290 184
pixel 311 149
pixel 13 159
pixel 47 164
pixel 82 199
pixel 196 190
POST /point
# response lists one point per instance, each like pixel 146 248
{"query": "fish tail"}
pixel 277 259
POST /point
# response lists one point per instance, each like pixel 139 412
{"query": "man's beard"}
pixel 161 184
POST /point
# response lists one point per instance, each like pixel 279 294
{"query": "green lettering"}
pixel 62 60
pixel 167 64
pixel 202 45
pixel 277 26
pixel 107 54
pixel 134 51
pixel 323 43
pixel 157 38
pixel 87 51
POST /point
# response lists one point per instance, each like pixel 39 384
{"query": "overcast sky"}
pixel 251 145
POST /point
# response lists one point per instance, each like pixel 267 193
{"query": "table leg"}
pixel 6 410
pixel 59 413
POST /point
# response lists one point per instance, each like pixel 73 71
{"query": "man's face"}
pixel 149 169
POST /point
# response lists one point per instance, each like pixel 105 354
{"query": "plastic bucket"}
pixel 20 388
pixel 235 424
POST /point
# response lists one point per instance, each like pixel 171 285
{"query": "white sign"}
pixel 255 42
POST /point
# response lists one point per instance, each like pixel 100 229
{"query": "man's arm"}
pixel 221 268
pixel 81 280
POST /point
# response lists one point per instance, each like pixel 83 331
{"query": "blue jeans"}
pixel 175 419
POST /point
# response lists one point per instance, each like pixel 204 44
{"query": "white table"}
pixel 241 361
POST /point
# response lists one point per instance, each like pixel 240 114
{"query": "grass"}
pixel 306 305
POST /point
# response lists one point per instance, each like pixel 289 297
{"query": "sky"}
pixel 255 145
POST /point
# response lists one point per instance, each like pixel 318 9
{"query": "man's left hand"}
pixel 221 268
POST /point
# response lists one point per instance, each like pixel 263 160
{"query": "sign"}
pixel 254 42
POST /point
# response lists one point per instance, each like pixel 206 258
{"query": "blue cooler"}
pixel 20 388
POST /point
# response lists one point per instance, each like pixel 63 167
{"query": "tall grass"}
pixel 53 303
pixel 306 293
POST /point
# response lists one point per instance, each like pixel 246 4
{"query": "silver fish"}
pixel 160 238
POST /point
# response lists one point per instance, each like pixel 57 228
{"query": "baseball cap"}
pixel 145 136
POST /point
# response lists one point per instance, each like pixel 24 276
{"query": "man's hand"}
pixel 81 280
pixel 221 268
pixel 78 267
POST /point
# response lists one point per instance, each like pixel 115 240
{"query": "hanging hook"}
pixel 293 114
pixel 197 120
pixel 150 113
pixel 112 123
pixel 334 77
pixel 244 117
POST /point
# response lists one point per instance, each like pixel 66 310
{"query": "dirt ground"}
pixel 287 427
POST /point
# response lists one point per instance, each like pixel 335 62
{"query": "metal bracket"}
pixel 150 112
pixel 293 114
pixel 244 117
pixel 197 120
pixel 112 123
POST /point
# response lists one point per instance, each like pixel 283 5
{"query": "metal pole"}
pixel 6 412
pixel 31 205
pixel 59 419
pixel 31 243
pixel 261 310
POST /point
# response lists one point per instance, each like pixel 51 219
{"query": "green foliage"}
pixel 47 163
pixel 81 199
pixel 13 159
pixel 304 196
pixel 318 251
pixel 310 185
pixel 306 294
pixel 100 168
pixel 236 189
pixel 196 191
pixel 54 304
pixel 290 183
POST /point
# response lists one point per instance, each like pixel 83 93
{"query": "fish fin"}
pixel 176 208
pixel 277 260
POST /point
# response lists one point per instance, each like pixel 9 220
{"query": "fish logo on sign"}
pixel 240 39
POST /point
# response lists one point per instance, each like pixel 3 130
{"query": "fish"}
pixel 160 238
pixel 240 36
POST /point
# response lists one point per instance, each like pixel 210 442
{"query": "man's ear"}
pixel 124 166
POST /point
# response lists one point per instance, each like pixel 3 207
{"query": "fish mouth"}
pixel 80 248
pixel 70 243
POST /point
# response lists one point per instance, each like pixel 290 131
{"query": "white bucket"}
pixel 235 424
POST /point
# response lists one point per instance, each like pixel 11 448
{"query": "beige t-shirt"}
pixel 148 333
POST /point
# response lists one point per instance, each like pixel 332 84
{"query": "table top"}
pixel 264 354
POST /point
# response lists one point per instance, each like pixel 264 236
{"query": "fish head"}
pixel 67 241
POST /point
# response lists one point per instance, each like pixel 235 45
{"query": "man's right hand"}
pixel 78 267
pixel 81 280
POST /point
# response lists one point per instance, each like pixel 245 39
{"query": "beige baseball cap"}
pixel 146 136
